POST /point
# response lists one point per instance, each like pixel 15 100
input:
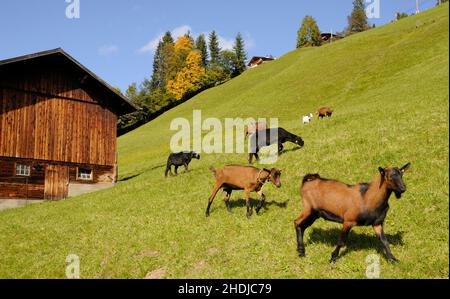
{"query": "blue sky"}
pixel 115 39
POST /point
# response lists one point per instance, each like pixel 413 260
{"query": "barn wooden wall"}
pixel 48 181
pixel 48 114
pixel 11 186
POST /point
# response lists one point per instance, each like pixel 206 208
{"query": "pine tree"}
pixel 214 49
pixel 162 62
pixel 167 38
pixel 188 35
pixel 170 66
pixel 309 33
pixel 200 44
pixel 158 64
pixel 357 21
pixel 240 56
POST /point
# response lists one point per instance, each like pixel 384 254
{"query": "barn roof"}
pixel 263 58
pixel 124 103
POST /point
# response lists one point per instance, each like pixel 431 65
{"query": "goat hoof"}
pixel 392 259
pixel 301 253
pixel 333 259
pixel 207 214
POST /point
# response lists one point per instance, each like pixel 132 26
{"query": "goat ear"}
pixel 381 170
pixel 405 168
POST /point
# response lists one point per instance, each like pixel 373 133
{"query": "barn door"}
pixel 56 182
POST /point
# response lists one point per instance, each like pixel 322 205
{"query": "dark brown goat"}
pixel 247 178
pixel 358 205
pixel 324 111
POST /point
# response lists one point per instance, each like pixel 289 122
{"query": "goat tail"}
pixel 213 170
pixel 310 178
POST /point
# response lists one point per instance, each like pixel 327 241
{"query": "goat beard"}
pixel 398 195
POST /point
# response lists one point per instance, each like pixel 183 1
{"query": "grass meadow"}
pixel 389 89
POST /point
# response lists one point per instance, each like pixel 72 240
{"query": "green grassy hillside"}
pixel 389 90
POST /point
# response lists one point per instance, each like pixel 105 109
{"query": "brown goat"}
pixel 247 178
pixel 352 205
pixel 324 111
pixel 253 128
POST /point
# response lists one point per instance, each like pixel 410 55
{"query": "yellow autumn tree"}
pixel 188 78
pixel 183 46
pixel 183 43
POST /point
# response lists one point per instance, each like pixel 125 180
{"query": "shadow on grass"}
pixel 129 177
pixel 239 203
pixel 356 241
pixel 143 171
pixel 156 167
pixel 294 149
pixel 181 172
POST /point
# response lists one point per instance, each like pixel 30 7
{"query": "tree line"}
pixel 309 34
pixel 181 69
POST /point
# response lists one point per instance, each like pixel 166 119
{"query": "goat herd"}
pixel 361 204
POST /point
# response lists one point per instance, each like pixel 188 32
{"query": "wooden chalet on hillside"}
pixel 258 60
pixel 57 127
pixel 327 37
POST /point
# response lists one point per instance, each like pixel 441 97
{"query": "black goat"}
pixel 270 136
pixel 180 159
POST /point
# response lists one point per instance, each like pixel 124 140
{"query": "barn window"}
pixel 23 170
pixel 84 174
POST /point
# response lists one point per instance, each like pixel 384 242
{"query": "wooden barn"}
pixel 57 127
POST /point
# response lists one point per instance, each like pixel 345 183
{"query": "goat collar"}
pixel 259 177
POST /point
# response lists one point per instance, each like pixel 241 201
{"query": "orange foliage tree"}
pixel 183 46
pixel 188 79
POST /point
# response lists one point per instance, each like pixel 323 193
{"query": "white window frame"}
pixel 23 170
pixel 82 176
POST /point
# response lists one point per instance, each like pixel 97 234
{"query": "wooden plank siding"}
pixel 58 115
pixel 49 110
pixel 56 129
pixel 56 182
pixel 12 186
pixel 33 187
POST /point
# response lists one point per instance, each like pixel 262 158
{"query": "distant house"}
pixel 58 125
pixel 327 37
pixel 258 60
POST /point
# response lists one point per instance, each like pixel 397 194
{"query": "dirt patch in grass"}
pixel 213 251
pixel 148 253
pixel 156 274
pixel 200 265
